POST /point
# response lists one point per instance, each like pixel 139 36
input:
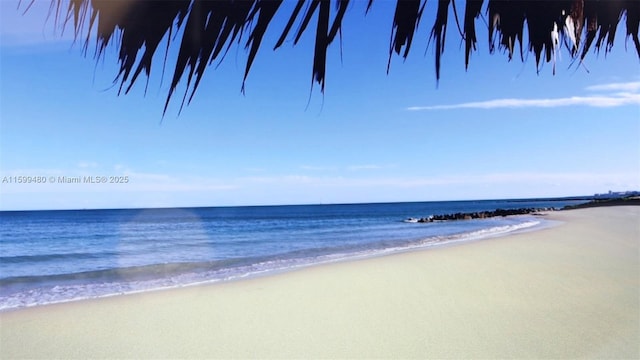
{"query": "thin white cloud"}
pixel 87 165
pixel 79 180
pixel 466 180
pixel 633 87
pixel 364 167
pixel 144 182
pixel 139 181
pixel 359 167
pixel 151 189
pixel 623 94
pixel 317 168
pixel 592 101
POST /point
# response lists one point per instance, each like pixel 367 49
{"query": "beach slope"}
pixel 562 292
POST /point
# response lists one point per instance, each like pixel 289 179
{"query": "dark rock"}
pixel 481 214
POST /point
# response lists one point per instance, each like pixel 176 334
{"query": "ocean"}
pixel 57 256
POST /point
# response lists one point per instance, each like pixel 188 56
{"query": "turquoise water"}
pixel 57 256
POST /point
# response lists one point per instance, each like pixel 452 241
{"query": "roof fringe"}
pixel 213 26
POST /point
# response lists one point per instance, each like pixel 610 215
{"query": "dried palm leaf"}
pixel 210 28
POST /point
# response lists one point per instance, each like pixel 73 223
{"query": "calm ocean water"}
pixel 57 256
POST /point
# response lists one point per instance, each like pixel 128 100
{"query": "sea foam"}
pixel 98 284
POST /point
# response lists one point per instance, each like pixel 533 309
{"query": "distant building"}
pixel 616 195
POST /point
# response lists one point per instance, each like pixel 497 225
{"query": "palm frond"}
pixel 210 28
pixel 439 31
pixel 471 12
pixel 405 22
pixel 266 10
pixel 633 22
pixel 507 18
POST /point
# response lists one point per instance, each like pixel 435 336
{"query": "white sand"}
pixel 564 292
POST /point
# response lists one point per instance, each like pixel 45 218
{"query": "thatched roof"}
pixel 210 28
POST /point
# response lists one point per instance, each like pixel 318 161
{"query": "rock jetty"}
pixel 478 215
pixel 631 200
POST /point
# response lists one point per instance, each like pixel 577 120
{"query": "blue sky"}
pixel 498 130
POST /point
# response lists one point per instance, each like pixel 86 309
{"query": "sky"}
pixel 498 130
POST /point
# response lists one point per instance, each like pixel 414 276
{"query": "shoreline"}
pixel 566 291
pixel 425 244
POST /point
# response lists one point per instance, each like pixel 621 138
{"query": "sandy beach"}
pixel 570 291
